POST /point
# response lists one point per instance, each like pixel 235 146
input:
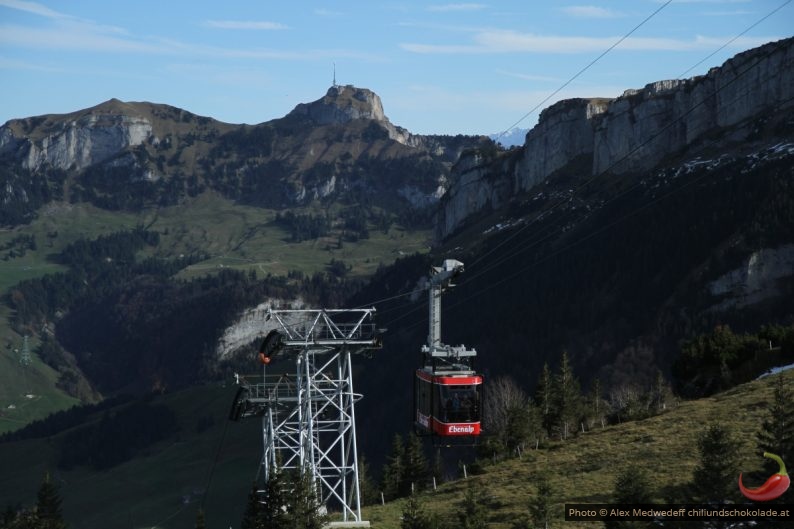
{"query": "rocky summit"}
pixel 341 105
pixel 120 155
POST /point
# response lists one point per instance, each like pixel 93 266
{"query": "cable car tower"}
pixel 308 418
pixel 446 388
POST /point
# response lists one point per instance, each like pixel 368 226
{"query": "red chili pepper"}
pixel 774 487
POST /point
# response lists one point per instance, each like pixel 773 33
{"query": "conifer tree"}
pixel 777 431
pixel 541 506
pixel 545 397
pixel 48 506
pixel 274 501
pixel 393 469
pixel 366 487
pixel 567 399
pixel 632 486
pixel 252 517
pixel 472 511
pixel 414 467
pixel 714 479
pixel 303 506
pixel 413 516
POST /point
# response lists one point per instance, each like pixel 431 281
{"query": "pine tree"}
pixel 777 431
pixel 714 479
pixel 472 511
pixel 48 506
pixel 393 470
pixel 541 507
pixel 413 516
pixel 567 399
pixel 366 487
pixel 303 507
pixel 253 510
pixel 632 486
pixel 414 467
pixel 274 501
pixel 545 397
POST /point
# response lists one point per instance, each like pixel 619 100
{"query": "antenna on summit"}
pixel 334 85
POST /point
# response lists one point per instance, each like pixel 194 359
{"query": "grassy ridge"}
pixel 584 469
pixel 164 487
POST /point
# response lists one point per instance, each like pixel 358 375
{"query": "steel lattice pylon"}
pixel 308 418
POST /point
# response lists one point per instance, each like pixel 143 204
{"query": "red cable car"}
pixel 448 402
pixel 447 391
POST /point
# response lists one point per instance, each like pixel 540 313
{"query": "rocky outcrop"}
pixel 251 325
pixel 757 279
pixel 478 186
pixel 341 105
pixel 564 132
pixel 634 132
pixel 79 143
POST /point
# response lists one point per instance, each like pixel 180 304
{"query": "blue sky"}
pixel 447 68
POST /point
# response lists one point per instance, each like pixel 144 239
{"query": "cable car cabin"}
pixel 448 402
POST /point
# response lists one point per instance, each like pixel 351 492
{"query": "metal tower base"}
pixel 308 419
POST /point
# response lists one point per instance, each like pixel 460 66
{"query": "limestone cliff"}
pixel 321 151
pixel 78 140
pixel 342 104
pixel 632 133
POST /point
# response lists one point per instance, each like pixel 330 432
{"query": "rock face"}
pixel 477 187
pixel 82 141
pixel 756 280
pixel 130 155
pixel 634 132
pixel 251 325
pixel 564 131
pixel 341 105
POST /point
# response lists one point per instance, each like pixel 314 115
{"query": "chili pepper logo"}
pixel 774 487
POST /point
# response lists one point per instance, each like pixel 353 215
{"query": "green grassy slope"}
pixel 164 487
pixel 27 392
pixel 234 236
pixel 161 488
pixel 584 469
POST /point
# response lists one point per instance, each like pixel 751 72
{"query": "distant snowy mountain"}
pixel 511 138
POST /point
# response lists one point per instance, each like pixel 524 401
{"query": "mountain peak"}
pixel 342 104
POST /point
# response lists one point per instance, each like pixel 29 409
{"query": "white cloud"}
pixel 456 7
pixel 81 36
pixel 529 77
pixel 508 41
pixel 245 24
pixel 591 12
pixel 32 7
pixel 11 64
pixel 73 38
